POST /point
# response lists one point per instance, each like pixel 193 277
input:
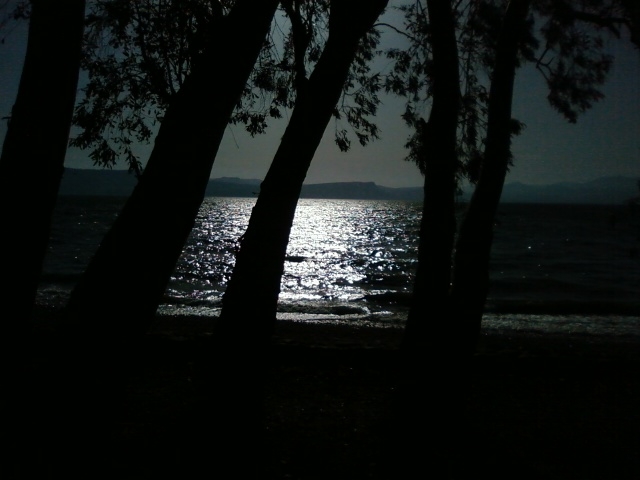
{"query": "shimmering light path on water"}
pixel 339 251
pixel 569 268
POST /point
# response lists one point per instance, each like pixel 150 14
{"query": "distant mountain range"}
pixel 121 183
pixel 606 190
pixel 237 187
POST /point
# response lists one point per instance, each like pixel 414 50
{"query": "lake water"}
pixel 554 268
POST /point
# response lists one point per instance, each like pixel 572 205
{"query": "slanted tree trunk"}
pixel 31 167
pixel 35 146
pixel 125 280
pixel 250 300
pixel 237 358
pixel 473 247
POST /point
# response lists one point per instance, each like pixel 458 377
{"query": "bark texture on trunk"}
pixel 428 314
pixel 473 248
pixel 126 279
pixel 31 167
pixel 250 301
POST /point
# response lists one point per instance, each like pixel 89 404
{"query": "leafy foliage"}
pixel 10 12
pixel 568 48
pixel 294 46
pixel 282 71
pixel 573 62
pixel 477 26
pixel 137 55
pixel 360 95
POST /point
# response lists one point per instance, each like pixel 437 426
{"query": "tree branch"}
pixel 611 23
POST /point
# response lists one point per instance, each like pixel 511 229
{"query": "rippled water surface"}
pixel 354 261
pixel 339 251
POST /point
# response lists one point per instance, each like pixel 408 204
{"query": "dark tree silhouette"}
pixel 632 10
pixel 136 70
pixel 127 281
pixel 31 168
pixel 438 159
pixel 250 300
pixel 129 272
pixel 473 247
pixel 426 396
pixel 573 78
pixel 449 297
pixel 235 360
pixel 36 142
pixel 138 54
pixel 574 66
pixel 119 291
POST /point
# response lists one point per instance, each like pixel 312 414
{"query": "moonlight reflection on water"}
pixel 339 250
pixel 554 267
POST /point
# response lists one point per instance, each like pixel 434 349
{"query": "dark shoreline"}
pixel 539 406
pixel 341 335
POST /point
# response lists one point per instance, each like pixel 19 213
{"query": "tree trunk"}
pixel 632 9
pixel 35 146
pixel 473 248
pixel 425 409
pixel 430 302
pixel 31 168
pixel 120 290
pixel 250 301
pixel 126 279
pixel 236 361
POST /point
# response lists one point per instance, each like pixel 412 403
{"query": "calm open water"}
pixel 554 268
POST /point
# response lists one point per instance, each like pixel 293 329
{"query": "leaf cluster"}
pixel 360 98
pixel 284 65
pixel 568 48
pixel 137 55
pixel 477 26
pixel 294 46
pixel 574 62
pixel 12 11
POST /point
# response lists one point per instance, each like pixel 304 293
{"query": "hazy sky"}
pixel 605 141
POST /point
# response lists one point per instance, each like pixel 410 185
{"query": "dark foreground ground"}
pixel 543 407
